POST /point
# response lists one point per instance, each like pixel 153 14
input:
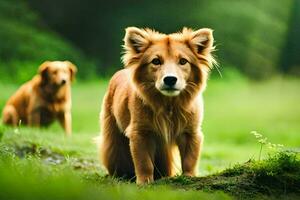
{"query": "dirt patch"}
pixel 46 154
pixel 51 157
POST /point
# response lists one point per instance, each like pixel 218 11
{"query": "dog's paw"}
pixel 189 174
pixel 142 180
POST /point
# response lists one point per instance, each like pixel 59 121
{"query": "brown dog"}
pixel 44 98
pixel 155 104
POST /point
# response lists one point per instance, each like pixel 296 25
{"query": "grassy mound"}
pixel 278 176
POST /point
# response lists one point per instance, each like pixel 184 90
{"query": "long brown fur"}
pixel 141 123
pixel 43 99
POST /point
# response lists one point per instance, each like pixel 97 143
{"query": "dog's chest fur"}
pixel 169 122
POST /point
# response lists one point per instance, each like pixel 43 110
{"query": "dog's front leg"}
pixel 142 148
pixel 189 147
pixel 65 119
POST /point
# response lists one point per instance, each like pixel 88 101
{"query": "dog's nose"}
pixel 63 82
pixel 170 80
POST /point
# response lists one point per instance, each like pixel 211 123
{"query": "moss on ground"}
pixel 276 177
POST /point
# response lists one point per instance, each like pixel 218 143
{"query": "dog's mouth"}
pixel 171 92
pixel 56 85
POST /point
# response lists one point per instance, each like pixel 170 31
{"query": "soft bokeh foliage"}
pixel 25 42
pixel 250 35
pixel 258 37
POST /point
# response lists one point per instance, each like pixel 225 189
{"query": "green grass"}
pixel 50 166
pixel 233 108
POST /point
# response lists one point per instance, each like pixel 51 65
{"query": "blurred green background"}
pixel 258 48
pixel 259 38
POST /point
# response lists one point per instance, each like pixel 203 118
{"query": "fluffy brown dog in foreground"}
pixel 44 98
pixel 155 104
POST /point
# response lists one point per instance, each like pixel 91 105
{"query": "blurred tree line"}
pixel 26 42
pixel 258 37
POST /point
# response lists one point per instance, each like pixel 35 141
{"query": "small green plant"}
pixel 263 141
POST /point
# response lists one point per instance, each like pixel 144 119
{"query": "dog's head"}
pixel 57 73
pixel 171 64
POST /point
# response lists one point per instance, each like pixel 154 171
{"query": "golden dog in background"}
pixel 155 104
pixel 44 98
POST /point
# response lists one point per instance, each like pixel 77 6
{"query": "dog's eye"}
pixel 182 61
pixel 156 61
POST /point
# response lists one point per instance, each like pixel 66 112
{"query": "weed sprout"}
pixel 263 141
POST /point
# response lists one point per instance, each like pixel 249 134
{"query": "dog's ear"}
pixel 72 68
pixel 43 70
pixel 202 41
pixel 136 40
